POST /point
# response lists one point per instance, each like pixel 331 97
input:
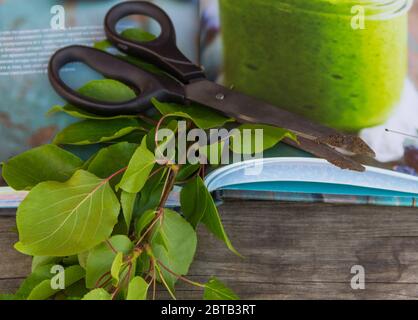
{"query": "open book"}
pixel 314 180
pixel 287 174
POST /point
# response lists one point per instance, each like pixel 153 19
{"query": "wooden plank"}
pixel 12 264
pixel 292 251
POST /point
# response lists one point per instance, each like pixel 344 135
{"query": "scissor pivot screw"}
pixel 220 96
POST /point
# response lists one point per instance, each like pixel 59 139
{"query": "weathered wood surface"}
pixel 292 251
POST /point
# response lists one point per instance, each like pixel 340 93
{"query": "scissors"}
pixel 187 83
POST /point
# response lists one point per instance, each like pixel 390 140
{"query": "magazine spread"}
pixel 208 149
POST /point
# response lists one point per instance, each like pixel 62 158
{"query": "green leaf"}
pixel 137 289
pixel 97 294
pixel 143 263
pixel 203 117
pixel 103 90
pixel 173 243
pixel 107 90
pixel 214 152
pixel 112 159
pixel 150 195
pixel 62 219
pixel 139 35
pixel 81 114
pixel 120 227
pixel 139 169
pixel 187 171
pixel 82 258
pixel 101 258
pixel 150 199
pixel 117 266
pixel 77 290
pixel 70 260
pixel 36 277
pixel 171 125
pixel 271 137
pixel 28 169
pixel 163 151
pixel 212 221
pixel 216 290
pixel 133 137
pixel 96 131
pixel 44 290
pixel 102 45
pixel 128 201
pixel 142 64
pixel 144 221
pixel 7 297
pixel 194 202
pixel 134 34
pixel 39 261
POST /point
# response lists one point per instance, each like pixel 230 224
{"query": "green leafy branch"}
pixel 100 210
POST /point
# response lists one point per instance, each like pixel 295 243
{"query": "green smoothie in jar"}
pixel 317 58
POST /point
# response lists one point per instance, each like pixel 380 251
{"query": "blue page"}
pixel 316 188
pixel 30 31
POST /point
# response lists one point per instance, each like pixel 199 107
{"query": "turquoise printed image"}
pixel 26 98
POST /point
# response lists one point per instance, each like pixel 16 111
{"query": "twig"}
pixel 122 282
pixel 149 229
pixel 101 278
pixel 155 172
pixel 153 279
pixel 154 285
pixel 109 244
pixel 116 174
pixel 147 119
pixel 166 182
pixel 180 277
pixel 165 283
pixel 108 281
pixel 157 128
pixel 171 180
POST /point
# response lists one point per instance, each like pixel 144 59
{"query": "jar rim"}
pixel 374 9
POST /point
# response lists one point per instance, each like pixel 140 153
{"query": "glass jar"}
pixel 339 62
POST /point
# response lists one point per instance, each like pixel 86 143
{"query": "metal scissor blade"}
pixel 325 152
pixel 250 110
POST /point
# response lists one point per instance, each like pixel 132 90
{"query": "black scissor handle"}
pixel 163 51
pixel 146 85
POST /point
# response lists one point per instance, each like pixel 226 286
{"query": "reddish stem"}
pixel 101 278
pixel 179 276
pixel 116 174
pixel 157 218
pixel 109 244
